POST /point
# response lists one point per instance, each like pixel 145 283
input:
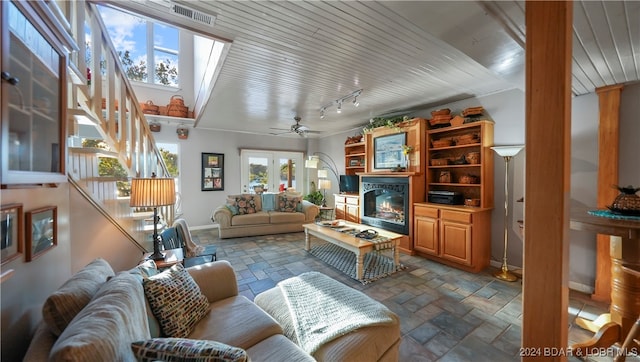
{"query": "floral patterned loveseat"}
pixel 267 213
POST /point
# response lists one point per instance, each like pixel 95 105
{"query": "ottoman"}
pixel 375 342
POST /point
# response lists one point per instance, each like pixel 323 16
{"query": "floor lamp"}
pixel 507 152
pixel 153 192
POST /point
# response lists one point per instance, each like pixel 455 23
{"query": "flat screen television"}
pixel 349 184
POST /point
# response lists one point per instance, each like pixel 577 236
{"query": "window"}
pixel 271 171
pixel 144 45
pixel 170 155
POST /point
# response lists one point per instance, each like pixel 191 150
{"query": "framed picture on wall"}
pixel 212 172
pixel 387 151
pixel 11 232
pixel 42 231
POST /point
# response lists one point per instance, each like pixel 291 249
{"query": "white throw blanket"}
pixel 323 309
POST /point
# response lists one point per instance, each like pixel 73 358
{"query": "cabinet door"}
pixel 353 213
pixel 341 211
pixel 456 241
pixel 425 236
pixel 33 124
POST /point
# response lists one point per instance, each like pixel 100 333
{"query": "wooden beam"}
pixel 608 151
pixel 548 142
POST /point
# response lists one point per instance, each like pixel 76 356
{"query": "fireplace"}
pixel 385 203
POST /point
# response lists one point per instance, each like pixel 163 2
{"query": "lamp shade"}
pixel 312 162
pixel 323 173
pixel 324 184
pixel 152 192
pixel 506 151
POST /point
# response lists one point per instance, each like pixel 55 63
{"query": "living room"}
pixel 507 109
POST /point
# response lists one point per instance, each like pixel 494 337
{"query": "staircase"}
pixel 109 140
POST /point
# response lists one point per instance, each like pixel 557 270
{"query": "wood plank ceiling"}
pixel 292 58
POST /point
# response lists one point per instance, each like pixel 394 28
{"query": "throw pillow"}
pixel 246 204
pixel 182 349
pixel 289 203
pixel 66 302
pixel 233 209
pixel 104 329
pixel 176 300
pixel 145 270
pixel 148 268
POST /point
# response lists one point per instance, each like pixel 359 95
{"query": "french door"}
pixel 272 171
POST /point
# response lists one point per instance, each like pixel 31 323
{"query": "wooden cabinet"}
pixel 348 207
pixel 461 160
pixel 33 111
pixel 354 158
pixel 459 236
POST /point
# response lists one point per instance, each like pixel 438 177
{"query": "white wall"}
pixel 197 205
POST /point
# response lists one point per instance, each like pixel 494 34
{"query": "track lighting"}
pixel 338 102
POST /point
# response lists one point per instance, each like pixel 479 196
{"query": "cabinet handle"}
pixel 6 76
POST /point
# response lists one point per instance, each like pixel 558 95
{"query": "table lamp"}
pixel 153 192
pixel 507 152
pixel 324 184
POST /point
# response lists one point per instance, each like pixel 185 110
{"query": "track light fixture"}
pixel 338 102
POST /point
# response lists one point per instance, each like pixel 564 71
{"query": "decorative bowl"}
pixel 472 202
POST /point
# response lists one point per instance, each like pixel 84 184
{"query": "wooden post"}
pixel 548 142
pixel 608 150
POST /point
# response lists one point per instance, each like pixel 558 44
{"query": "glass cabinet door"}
pixel 33 99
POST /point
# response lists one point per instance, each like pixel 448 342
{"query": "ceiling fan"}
pixel 299 129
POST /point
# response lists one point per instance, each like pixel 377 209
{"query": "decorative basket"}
pixel 440 112
pixel 183 133
pixel 441 143
pixel 627 202
pixel 175 110
pixel 457 121
pixel 150 108
pixel 468 138
pixel 177 100
pixel 468 179
pixel 154 127
pixel 439 161
pixel 472 202
pixel 445 177
pixel 473 158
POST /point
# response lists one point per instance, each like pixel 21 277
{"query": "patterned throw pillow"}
pixel 289 203
pixel 246 204
pixel 176 300
pixel 182 349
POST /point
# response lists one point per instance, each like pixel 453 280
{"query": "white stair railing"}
pixel 109 105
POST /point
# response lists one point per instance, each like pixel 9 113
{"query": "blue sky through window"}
pixel 129 33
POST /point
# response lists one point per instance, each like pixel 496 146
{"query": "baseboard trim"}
pixel 579 287
pixel 204 227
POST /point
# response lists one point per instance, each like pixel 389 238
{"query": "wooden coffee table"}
pixel 354 244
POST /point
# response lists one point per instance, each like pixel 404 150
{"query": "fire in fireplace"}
pixel 385 203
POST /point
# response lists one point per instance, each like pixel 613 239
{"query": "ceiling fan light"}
pixel 339 110
pixel 355 101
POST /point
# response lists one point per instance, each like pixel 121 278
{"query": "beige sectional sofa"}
pixel 97 315
pixel 248 214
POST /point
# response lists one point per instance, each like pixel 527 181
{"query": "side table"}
pixel 171 258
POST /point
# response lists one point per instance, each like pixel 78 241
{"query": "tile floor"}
pixel 446 314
